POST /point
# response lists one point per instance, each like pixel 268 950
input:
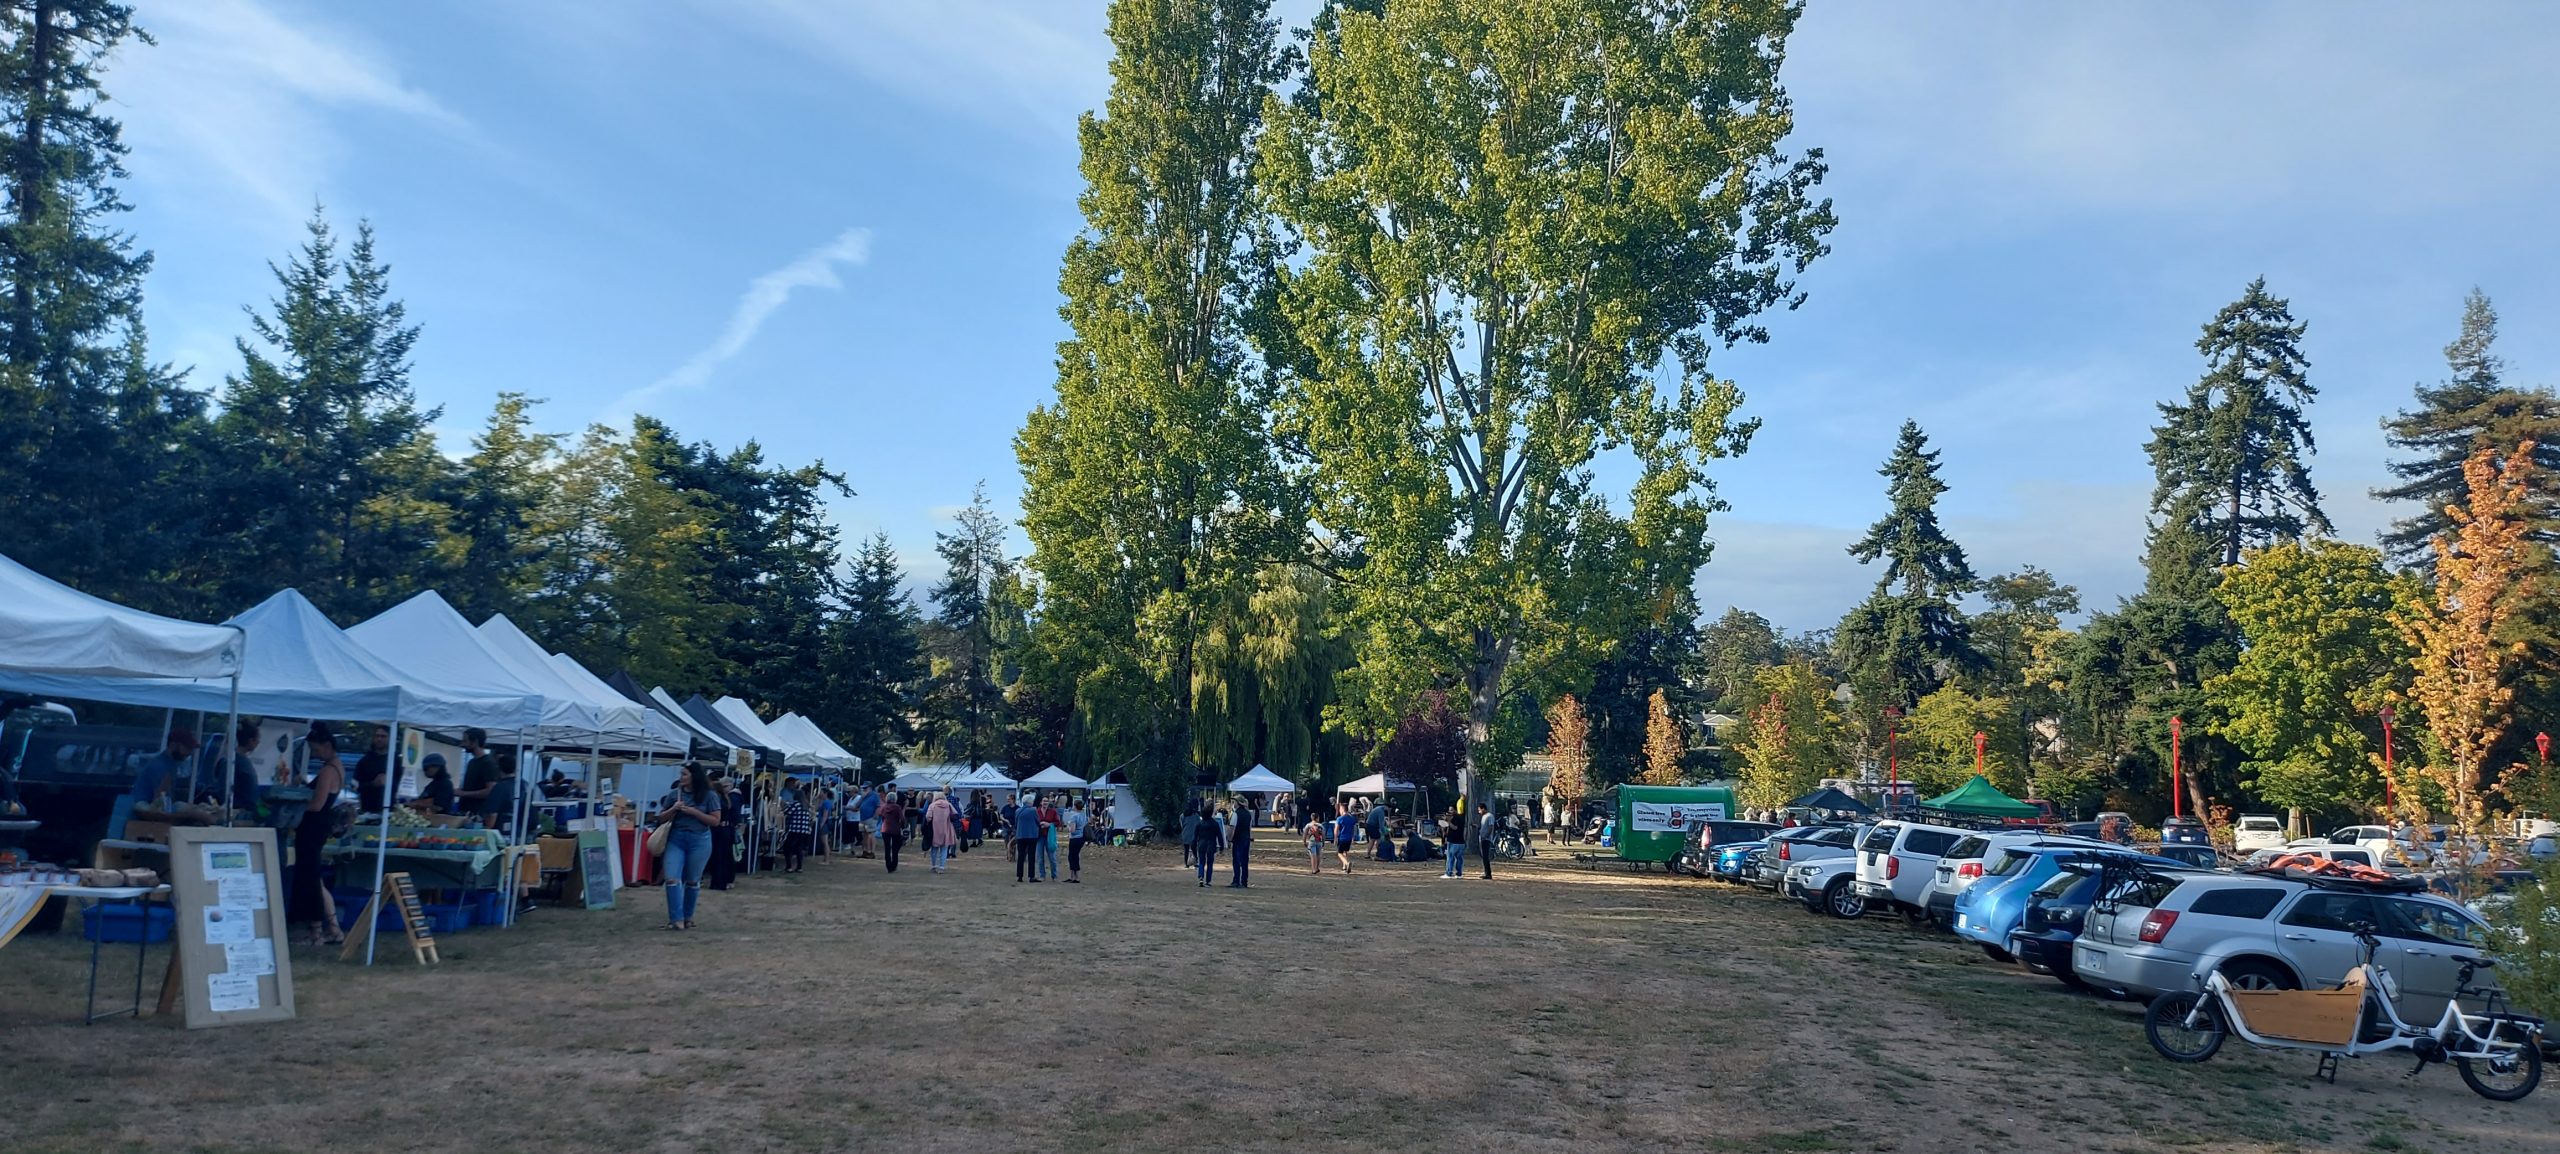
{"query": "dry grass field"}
pixel 1553 1009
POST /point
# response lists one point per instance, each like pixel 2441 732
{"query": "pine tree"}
pixel 1917 553
pixel 2232 460
pixel 1909 636
pixel 501 547
pixel 98 450
pixel 330 480
pixel 965 703
pixel 2473 408
pixel 873 660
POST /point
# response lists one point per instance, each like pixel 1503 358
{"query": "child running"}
pixel 1313 834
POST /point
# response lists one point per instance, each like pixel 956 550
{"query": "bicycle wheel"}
pixel 2165 1023
pixel 2508 1076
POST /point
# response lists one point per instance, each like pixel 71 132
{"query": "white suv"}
pixel 2255 832
pixel 1898 860
pixel 1981 854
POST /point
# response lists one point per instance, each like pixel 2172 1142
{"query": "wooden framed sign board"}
pixel 232 964
pixel 595 868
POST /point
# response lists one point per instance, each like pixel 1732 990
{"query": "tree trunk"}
pixel 1484 695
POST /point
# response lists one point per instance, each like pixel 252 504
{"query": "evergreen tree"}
pixel 1909 636
pixel 500 543
pixel 2232 459
pixel 965 704
pixel 99 463
pixel 329 476
pixel 1655 658
pixel 1137 547
pixel 1732 649
pixel 873 661
pixel 1917 553
pixel 2473 408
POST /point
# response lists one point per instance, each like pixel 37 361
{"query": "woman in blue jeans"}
pixel 694 808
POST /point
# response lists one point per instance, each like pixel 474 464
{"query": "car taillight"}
pixel 2155 926
pixel 1892 868
pixel 1783 854
pixel 1971 869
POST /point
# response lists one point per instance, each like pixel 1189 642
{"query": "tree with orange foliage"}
pixel 1569 748
pixel 1663 743
pixel 2464 658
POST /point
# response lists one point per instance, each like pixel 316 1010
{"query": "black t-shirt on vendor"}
pixel 480 772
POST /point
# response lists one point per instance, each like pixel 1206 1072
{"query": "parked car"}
pixel 1826 886
pixel 1977 856
pixel 2315 847
pixel 2386 846
pixel 1898 860
pixel 2257 831
pixel 1726 860
pixel 2203 857
pixel 2051 922
pixel 1992 908
pixel 1802 844
pixel 2153 933
pixel 1707 837
pixel 2184 831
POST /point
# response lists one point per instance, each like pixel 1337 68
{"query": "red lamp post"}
pixel 2542 746
pixel 2389 794
pixel 2177 788
pixel 1892 756
pixel 1978 739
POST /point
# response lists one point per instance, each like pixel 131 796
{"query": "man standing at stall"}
pixel 479 772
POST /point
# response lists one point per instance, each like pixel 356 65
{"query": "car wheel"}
pixel 1997 954
pixel 1843 900
pixel 2252 974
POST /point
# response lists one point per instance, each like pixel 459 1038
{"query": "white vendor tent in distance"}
pixel 742 717
pixel 1053 778
pixel 425 635
pixel 1374 785
pixel 49 627
pixel 667 736
pixel 1261 780
pixel 829 753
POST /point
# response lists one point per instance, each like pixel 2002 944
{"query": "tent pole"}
pixel 231 748
pixel 382 848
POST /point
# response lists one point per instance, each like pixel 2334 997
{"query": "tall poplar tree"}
pixel 2473 408
pixel 1525 225
pixel 2233 458
pixel 99 447
pixel 1147 481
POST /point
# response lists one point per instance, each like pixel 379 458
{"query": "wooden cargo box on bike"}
pixel 2321 1017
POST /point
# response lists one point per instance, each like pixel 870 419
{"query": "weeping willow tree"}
pixel 1265 676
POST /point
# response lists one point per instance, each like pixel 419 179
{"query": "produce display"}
pixel 428 838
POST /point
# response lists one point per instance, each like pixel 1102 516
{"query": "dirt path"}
pixel 1554 1009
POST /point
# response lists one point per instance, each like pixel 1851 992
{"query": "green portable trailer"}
pixel 1654 820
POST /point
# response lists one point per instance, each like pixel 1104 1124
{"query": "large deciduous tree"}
pixel 2465 658
pixel 1569 752
pixel 1148 481
pixel 2321 657
pixel 1790 741
pixel 1664 744
pixel 1525 224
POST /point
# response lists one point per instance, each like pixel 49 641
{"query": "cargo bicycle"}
pixel 2499 1053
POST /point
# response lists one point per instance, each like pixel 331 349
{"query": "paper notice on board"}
pixel 226 858
pixel 226 993
pixel 255 957
pixel 242 891
pixel 228 925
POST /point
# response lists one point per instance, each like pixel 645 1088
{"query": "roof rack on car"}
pixel 2337 875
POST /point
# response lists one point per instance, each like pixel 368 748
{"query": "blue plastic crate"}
pixel 488 908
pixel 388 919
pixel 128 923
pixel 442 920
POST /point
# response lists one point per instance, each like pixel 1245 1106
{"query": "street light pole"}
pixel 1978 739
pixel 1892 757
pixel 2389 795
pixel 2177 786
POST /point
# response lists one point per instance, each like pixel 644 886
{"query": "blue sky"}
pixel 833 226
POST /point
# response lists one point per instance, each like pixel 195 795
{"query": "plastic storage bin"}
pixel 128 923
pixel 443 920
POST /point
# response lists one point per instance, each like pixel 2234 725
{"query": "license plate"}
pixel 1959 921
pixel 2097 960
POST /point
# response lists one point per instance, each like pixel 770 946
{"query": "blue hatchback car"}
pixel 1993 907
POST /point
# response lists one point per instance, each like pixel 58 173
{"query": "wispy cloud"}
pixel 236 95
pixel 815 268
pixel 1015 64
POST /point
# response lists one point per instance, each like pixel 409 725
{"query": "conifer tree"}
pixel 1909 636
pixel 965 704
pixel 2473 408
pixel 2233 458
pixel 873 660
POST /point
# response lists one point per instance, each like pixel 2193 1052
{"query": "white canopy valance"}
pixel 49 627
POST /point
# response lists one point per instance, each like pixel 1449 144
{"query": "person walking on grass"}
pixel 797 826
pixel 1205 837
pixel 1453 844
pixel 942 830
pixel 1026 841
pixel 1482 832
pixel 693 808
pixel 891 819
pixel 1240 841
pixel 1080 825
pixel 1050 820
pixel 1313 833
pixel 1346 829
pixel 1190 834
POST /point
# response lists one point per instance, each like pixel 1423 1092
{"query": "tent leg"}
pixel 382 848
pixel 232 753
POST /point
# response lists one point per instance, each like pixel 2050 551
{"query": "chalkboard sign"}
pixel 595 866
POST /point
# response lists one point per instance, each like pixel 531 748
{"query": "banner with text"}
pixel 1674 816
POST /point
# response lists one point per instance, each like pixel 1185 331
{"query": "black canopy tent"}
pixel 698 711
pixel 1830 800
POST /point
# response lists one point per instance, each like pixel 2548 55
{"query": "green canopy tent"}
pixel 1980 798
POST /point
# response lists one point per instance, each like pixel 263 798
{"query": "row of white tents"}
pixel 418 664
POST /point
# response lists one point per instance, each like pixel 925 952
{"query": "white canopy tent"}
pixel 424 635
pixel 920 779
pixel 1053 778
pixel 1374 785
pixel 742 717
pixel 666 704
pixel 664 735
pixel 1261 780
pixel 613 723
pixel 49 627
pixel 829 754
pixel 799 748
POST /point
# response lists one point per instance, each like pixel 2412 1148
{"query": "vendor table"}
pixel 18 905
pixel 452 869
